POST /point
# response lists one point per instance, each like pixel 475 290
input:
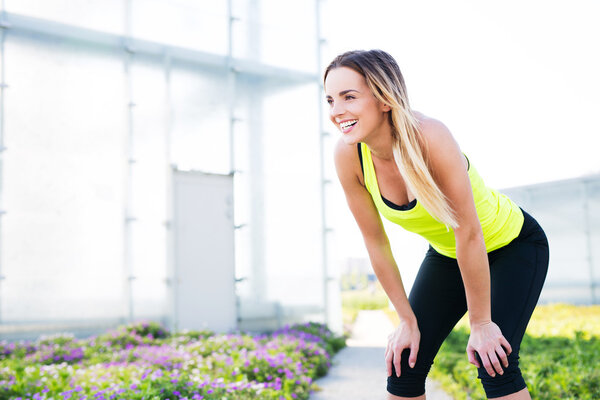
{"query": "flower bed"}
pixel 144 361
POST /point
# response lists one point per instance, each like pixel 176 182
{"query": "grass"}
pixel 558 358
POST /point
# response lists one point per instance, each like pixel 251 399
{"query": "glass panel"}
pixel 292 196
pixel 102 15
pixel 200 119
pixel 249 203
pixel 62 250
pixel 200 25
pixel 276 33
pixel 149 181
pixel 560 209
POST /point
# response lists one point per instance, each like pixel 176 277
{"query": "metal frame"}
pixel 20 23
pixel 3 86
pixel 324 181
pixel 129 219
pixel 588 233
pixel 16 24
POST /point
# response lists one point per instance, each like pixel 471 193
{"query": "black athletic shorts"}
pixel 517 273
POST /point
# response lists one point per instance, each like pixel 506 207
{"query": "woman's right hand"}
pixel 405 336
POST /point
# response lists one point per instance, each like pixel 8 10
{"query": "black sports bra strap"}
pixel 360 157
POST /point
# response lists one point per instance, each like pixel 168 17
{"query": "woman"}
pixel 486 254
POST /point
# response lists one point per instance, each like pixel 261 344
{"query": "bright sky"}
pixel 516 82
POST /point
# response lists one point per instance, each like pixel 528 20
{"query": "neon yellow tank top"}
pixel 501 219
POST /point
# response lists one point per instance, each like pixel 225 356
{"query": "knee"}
pixel 511 381
pixel 411 382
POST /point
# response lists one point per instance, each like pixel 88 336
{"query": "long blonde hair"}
pixel 385 80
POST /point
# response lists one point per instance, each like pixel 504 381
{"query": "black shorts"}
pixel 517 273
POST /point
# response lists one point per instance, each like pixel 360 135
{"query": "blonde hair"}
pixel 385 80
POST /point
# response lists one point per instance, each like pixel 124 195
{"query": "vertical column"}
pixel 129 153
pixel 3 27
pixel 231 87
pixel 258 279
pixel 231 96
pixel 324 181
pixel 169 193
pixel 588 240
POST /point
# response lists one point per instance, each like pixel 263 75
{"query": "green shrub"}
pixel 558 356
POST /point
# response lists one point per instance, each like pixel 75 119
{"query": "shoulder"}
pixel 439 141
pixel 347 162
pixel 435 133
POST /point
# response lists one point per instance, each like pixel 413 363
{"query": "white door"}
pixel 203 250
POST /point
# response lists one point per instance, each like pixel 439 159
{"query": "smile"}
pixel 347 126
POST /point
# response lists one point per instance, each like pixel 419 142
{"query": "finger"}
pixel 412 359
pixel 388 363
pixel 397 359
pixel 472 358
pixel 496 363
pixel 487 365
pixel 502 355
pixel 506 345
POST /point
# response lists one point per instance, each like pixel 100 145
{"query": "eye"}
pixel 329 101
pixel 349 97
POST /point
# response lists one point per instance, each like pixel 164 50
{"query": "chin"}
pixel 350 140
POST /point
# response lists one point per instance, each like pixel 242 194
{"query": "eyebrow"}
pixel 343 92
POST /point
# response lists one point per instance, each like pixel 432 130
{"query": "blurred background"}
pixel 172 159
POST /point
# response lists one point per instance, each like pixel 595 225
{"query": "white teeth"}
pixel 347 123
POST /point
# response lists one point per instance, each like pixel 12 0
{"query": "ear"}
pixel 385 107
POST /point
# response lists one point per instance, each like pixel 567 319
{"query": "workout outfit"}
pixel 518 256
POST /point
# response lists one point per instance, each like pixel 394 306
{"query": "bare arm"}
pixel 407 334
pixel 449 168
pixel 369 222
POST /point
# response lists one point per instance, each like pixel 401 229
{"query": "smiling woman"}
pixel 482 245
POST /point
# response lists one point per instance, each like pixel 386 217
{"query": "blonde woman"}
pixel 486 254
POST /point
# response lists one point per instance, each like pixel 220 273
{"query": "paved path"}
pixel 358 371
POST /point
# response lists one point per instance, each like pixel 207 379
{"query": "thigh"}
pixel 517 273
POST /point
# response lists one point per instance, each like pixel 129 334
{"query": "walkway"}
pixel 358 371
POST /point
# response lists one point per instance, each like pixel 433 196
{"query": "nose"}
pixel 337 109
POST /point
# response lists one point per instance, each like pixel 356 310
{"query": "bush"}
pixel 558 356
pixel 144 361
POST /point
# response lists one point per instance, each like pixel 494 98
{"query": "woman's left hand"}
pixel 487 340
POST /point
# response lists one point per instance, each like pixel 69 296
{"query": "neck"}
pixel 381 145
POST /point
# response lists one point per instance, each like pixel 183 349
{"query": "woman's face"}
pixel 353 108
